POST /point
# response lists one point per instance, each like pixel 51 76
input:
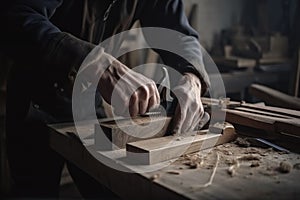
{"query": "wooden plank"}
pixel 274 97
pixel 157 150
pixel 261 112
pixel 122 131
pixel 267 123
pixel 274 110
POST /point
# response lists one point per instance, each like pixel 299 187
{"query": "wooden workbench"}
pixel 178 180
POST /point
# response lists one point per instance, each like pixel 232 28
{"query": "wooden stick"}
pixel 267 123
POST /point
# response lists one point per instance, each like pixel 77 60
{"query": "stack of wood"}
pixel 259 120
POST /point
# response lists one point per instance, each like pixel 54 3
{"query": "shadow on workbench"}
pixel 68 189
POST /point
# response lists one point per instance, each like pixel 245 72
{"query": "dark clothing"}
pixel 48 40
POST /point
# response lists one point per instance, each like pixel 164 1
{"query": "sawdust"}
pixel 235 160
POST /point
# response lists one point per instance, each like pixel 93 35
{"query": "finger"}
pixel 177 120
pixel 152 103
pixel 134 105
pixel 198 117
pixel 190 121
pixel 195 123
pixel 157 96
pixel 143 105
pixel 203 121
pixel 193 116
pixel 143 93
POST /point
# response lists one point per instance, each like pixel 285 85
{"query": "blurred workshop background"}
pixel 254 43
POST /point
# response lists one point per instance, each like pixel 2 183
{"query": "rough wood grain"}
pixel 120 132
pixel 157 150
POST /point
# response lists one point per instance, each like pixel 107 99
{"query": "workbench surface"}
pixel 241 173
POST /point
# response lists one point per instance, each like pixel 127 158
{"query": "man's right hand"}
pixel 127 90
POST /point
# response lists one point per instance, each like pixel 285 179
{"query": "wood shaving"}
pixel 212 175
pixel 232 169
pixel 194 161
pixel 226 145
pixel 285 167
pixel 174 172
pixel 229 161
pixel 252 151
pixel 268 173
pixel 249 157
pixel 154 177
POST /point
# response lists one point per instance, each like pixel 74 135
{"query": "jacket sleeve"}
pixel 30 35
pixel 170 14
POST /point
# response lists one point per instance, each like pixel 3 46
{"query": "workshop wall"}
pixel 213 16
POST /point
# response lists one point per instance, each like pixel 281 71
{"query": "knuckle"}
pixel 134 96
pixel 144 89
pixel 152 87
pixel 194 105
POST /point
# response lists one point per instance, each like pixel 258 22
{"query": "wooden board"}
pixel 157 150
pixel 122 131
pixel 274 98
pixel 263 122
pixel 274 110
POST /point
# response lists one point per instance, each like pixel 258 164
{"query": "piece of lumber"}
pixel 157 150
pixel 274 110
pixel 263 122
pixel 261 112
pixel 122 131
pixel 274 98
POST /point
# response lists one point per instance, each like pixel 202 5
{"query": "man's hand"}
pixel 189 110
pixel 126 89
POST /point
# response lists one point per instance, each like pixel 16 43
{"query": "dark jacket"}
pixel 49 39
